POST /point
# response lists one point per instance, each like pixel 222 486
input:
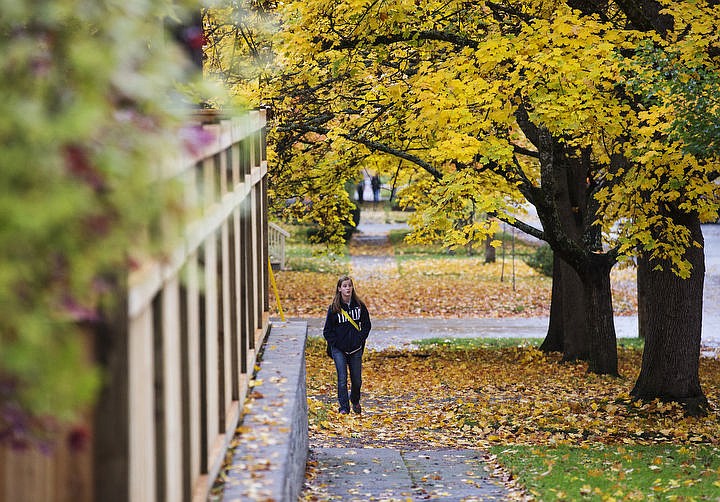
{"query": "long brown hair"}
pixel 338 297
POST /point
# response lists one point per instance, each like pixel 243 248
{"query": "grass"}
pixel 631 343
pixel 306 258
pixel 615 472
pixel 474 343
pixel 302 256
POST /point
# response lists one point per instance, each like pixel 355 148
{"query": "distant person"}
pixel 375 184
pixel 361 191
pixel 347 326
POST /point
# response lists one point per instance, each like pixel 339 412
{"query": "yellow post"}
pixel 275 289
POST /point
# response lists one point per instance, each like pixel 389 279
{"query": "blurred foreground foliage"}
pixel 90 107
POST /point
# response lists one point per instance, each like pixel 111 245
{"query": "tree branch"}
pixel 524 151
pixel 520 225
pixel 499 10
pixel 644 15
pixel 381 147
pixel 529 129
pixel 393 38
pixel 372 145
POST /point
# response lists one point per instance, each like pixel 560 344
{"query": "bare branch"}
pixel 393 38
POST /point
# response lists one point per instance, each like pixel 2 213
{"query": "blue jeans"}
pixel 344 361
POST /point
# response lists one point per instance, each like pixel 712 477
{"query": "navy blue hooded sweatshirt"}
pixel 340 333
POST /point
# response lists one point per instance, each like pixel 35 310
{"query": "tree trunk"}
pixel 599 315
pixel 673 330
pixel 567 329
pixel 555 338
pixel 643 282
pixel 567 210
pixel 577 337
pixel 567 308
pixel 490 253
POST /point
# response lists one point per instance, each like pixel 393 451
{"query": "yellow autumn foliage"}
pixel 432 94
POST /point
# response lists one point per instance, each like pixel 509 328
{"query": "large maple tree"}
pixel 478 108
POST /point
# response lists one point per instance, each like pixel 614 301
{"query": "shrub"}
pixel 542 260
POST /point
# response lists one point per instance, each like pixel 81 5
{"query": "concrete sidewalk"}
pixel 361 474
pixel 401 333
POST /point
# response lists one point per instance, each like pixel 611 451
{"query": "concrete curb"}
pixel 271 450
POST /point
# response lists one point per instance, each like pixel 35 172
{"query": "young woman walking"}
pixel 347 326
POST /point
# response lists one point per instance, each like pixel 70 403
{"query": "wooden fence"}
pixel 178 356
pixel 276 244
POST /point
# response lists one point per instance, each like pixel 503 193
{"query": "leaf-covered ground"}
pixel 484 396
pixel 440 397
pixel 427 281
pixel 430 286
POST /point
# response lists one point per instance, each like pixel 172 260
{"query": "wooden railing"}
pixel 179 353
pixel 276 245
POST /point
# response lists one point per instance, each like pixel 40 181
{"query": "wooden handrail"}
pixel 276 244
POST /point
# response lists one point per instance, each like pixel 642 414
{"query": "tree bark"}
pixel 490 253
pixel 567 308
pixel 643 282
pixel 599 314
pixel 555 337
pixel 574 316
pixel 567 329
pixel 673 329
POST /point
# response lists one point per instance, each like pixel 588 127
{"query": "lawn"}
pixel 616 472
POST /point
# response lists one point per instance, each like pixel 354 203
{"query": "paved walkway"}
pixel 361 474
pixel 401 333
